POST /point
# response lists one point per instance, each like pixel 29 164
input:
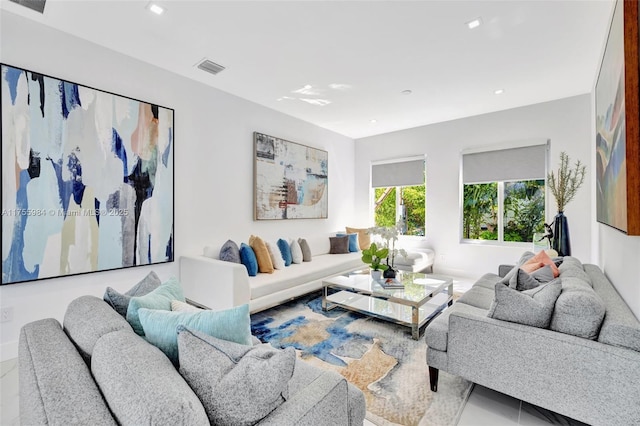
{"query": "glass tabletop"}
pixel 416 287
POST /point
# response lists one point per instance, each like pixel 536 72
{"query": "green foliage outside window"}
pixel 480 209
pixel 413 198
pixel 523 210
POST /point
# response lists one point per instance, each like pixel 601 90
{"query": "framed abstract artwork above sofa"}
pixel 291 180
pixel 618 123
pixel 87 179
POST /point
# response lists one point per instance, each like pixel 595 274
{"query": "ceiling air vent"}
pixel 37 5
pixel 210 67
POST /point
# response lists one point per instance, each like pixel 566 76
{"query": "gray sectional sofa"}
pixel 584 364
pixel 95 370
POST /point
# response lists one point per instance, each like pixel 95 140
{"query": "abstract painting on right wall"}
pixel 618 124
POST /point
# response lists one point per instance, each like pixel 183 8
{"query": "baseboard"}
pixel 9 350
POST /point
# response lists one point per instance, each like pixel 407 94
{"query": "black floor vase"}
pixel 561 240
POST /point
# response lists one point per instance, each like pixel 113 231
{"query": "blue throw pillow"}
pixel 353 241
pixel 285 251
pixel 160 298
pixel 160 327
pixel 248 259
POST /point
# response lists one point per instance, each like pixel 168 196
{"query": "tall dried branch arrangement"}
pixel 566 182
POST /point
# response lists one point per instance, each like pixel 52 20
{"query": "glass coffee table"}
pixel 421 298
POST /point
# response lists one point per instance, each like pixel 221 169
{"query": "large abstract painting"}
pixel 87 179
pixel 618 124
pixel 291 180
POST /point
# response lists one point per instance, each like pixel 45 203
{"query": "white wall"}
pixel 213 154
pixel 567 122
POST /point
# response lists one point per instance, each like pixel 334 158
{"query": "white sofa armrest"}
pixel 214 283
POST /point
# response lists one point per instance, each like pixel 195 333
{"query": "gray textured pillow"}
pixel 579 311
pixel 237 384
pixel 120 302
pixel 524 281
pixel 530 307
pixel 306 250
pixel 339 245
pixel 230 252
pixel 523 259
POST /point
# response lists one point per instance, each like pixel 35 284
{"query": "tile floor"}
pixel 484 406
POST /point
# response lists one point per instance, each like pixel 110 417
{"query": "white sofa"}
pixel 217 284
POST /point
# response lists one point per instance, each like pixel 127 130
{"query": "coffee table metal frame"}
pixel 357 290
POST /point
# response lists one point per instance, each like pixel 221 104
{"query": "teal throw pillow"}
pixel 248 259
pixel 160 327
pixel 285 250
pixel 160 298
pixel 353 241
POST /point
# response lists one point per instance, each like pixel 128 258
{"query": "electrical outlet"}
pixel 443 258
pixel 6 314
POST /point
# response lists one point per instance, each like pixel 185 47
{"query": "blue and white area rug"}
pixel 378 357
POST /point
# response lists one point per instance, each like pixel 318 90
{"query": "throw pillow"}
pixel 531 307
pixel 339 245
pixel 248 259
pixel 262 254
pixel 285 250
pixel 160 326
pixel 160 298
pixel 230 252
pixel 543 257
pixel 531 267
pixel 120 302
pixel 524 281
pixel 306 250
pixel 364 239
pixel 179 306
pixel 275 255
pixel 523 259
pixel 353 241
pixel 296 252
pixel 237 385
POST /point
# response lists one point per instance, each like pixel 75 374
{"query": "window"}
pixel 400 195
pixel 503 195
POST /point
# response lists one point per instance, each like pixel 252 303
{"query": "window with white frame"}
pixel 400 194
pixel 503 193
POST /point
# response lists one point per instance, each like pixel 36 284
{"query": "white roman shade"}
pixel 401 173
pixel 511 164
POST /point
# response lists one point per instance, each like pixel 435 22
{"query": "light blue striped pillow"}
pixel 160 326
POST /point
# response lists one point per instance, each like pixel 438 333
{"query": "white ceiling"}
pixel 536 50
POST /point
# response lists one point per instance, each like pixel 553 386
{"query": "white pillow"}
pixel 177 305
pixel 275 255
pixel 296 252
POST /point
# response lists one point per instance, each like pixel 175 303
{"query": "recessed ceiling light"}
pixel 498 91
pixel 406 92
pixel 373 121
pixel 475 23
pixel 155 8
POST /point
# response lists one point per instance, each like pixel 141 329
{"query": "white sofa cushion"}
pixel 320 267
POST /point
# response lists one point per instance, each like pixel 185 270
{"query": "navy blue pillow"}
pixel 353 241
pixel 248 259
pixel 285 251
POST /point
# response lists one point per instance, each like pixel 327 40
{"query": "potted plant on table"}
pixel 389 234
pixel 373 256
